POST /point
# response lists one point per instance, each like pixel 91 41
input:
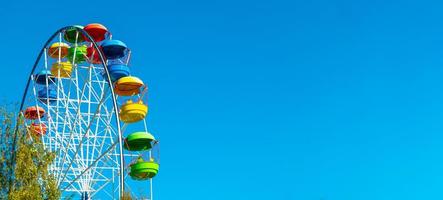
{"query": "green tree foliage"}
pixel 29 178
pixel 7 128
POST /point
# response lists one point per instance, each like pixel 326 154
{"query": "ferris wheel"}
pixel 82 102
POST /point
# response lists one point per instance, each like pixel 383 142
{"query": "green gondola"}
pixel 80 53
pixel 139 141
pixel 71 34
pixel 143 170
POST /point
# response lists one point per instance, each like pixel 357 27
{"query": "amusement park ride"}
pixel 83 103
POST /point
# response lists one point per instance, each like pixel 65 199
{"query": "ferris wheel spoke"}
pixel 77 119
pixel 110 135
pixel 68 121
pixel 89 167
pixel 83 137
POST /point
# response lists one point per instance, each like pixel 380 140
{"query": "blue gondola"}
pixel 45 93
pixel 117 71
pixel 114 49
pixel 40 78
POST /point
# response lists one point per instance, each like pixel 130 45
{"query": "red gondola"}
pixel 34 112
pixel 93 55
pixel 96 31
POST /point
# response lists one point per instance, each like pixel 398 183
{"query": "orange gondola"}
pixel 128 86
pixel 38 129
pixel 34 112
pixel 58 49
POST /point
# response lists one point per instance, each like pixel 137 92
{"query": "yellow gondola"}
pixel 128 86
pixel 132 112
pixel 58 49
pixel 61 69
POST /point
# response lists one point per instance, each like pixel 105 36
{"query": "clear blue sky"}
pixel 290 100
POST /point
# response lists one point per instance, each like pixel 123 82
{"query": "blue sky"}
pixel 299 100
